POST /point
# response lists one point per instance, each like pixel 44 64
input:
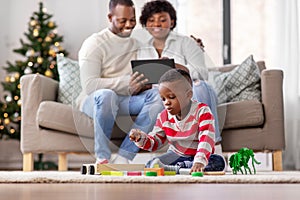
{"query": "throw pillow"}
pixel 69 79
pixel 241 83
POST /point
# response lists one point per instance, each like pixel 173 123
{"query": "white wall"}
pixel 76 20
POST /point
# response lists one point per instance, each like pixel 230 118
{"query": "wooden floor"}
pixel 150 191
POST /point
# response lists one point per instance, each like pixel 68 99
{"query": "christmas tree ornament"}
pixel 48 73
pixel 16 98
pixel 12 79
pixel 33 22
pixel 27 70
pixel 12 131
pixel 48 39
pixel 7 79
pixel 40 60
pixel 30 53
pixel 50 24
pixel 36 32
pixel 30 64
pixel 17 75
pixel 8 99
pixel 6 121
pixel 19 102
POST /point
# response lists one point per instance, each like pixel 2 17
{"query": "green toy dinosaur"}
pixel 240 160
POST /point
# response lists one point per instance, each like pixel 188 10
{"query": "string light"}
pixel 12 131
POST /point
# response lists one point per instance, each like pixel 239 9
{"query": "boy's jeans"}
pixel 104 105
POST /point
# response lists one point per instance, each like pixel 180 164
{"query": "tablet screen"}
pixel 152 69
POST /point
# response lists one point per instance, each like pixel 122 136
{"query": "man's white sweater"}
pixel 104 61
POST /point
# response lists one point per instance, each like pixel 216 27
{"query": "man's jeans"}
pixel 204 93
pixel 104 105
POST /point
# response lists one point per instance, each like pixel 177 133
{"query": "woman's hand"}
pixel 135 135
pixel 197 167
pixel 137 83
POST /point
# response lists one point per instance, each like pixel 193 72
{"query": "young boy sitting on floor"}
pixel 187 125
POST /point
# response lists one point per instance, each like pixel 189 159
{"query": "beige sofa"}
pixel 52 127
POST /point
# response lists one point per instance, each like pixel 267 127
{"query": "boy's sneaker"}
pixel 215 163
pixel 101 161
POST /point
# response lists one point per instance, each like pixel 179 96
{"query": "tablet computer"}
pixel 152 69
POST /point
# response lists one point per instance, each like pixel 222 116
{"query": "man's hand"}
pixel 197 167
pixel 199 42
pixel 137 82
pixel 135 135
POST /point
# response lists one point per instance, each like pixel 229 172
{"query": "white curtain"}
pixel 288 57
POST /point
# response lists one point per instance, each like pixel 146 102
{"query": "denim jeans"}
pixel 171 158
pixel 215 161
pixel 104 105
pixel 204 93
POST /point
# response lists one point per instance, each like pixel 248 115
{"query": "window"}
pixel 251 27
pixel 203 19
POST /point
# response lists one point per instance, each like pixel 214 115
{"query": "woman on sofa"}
pixel 159 19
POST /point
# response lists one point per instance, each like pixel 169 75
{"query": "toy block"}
pixel 150 173
pixel 184 171
pixel 119 167
pixel 88 169
pixel 106 173
pixel 134 173
pixel 170 173
pixel 197 174
pixel 216 173
pixel 117 173
pixel 159 171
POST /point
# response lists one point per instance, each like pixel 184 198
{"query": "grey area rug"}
pixel 76 177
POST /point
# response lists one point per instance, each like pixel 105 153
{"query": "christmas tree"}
pixel 40 49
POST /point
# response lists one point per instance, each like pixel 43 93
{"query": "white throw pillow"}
pixel 241 83
pixel 69 79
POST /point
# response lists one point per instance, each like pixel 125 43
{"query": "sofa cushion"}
pixel 237 83
pixel 69 79
pixel 240 114
pixel 62 117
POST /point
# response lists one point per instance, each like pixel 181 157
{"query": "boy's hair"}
pixel 173 75
pixel 114 3
pixel 157 6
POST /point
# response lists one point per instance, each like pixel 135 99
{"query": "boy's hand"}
pixel 135 135
pixel 197 167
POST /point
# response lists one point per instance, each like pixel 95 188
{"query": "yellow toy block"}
pixel 116 173
pixel 119 167
pixel 170 173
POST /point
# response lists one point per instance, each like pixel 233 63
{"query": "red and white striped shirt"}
pixel 192 136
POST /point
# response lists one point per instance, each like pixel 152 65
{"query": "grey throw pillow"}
pixel 241 83
pixel 69 79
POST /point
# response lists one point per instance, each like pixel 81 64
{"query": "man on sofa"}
pixel 110 88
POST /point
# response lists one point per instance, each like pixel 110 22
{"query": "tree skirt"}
pixel 76 177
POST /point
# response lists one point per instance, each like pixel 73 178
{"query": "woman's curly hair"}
pixel 157 6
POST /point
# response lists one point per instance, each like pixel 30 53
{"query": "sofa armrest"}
pixel 35 88
pixel 272 100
